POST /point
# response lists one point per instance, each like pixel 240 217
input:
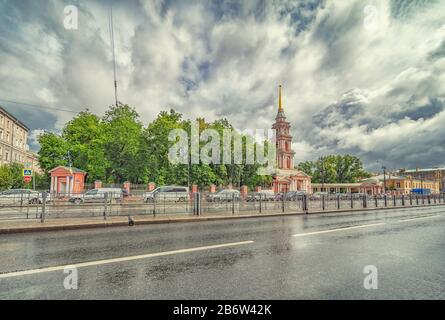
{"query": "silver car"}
pixel 168 193
pixel 98 196
pixel 224 195
pixel 20 197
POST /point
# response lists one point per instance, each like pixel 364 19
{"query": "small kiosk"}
pixel 67 181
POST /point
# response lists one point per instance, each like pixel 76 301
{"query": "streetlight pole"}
pixel 384 179
pixel 322 174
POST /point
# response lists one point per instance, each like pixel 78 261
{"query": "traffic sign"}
pixel 27 179
pixel 27 172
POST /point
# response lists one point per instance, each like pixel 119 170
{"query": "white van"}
pixel 168 193
pixel 98 196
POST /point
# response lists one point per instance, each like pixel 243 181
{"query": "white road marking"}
pixel 419 218
pixel 123 259
pixel 339 229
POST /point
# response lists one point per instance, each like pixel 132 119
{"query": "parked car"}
pixel 318 195
pixel 294 195
pixel 20 196
pixel 168 193
pixel 98 196
pixel 224 195
pixel 263 195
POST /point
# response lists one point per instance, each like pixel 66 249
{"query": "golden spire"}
pixel 280 106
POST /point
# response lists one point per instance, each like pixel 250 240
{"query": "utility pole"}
pixel 113 53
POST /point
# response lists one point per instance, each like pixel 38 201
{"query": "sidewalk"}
pixel 55 224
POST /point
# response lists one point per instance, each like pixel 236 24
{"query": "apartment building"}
pixel 13 141
pixel 424 174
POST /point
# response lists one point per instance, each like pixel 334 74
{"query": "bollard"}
pixel 42 216
pixel 403 200
pixel 376 201
pixel 417 200
pixel 322 202
pixel 385 200
pixel 394 200
pixel 352 201
pixel 410 199
pixel 365 201
pixel 423 198
pixel 338 202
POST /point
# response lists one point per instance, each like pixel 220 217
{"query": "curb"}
pixel 107 224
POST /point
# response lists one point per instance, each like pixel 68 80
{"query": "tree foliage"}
pixel 335 169
pixel 11 178
pixel 118 148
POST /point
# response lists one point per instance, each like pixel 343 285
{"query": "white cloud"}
pixel 226 60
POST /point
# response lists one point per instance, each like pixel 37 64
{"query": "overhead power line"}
pixel 38 106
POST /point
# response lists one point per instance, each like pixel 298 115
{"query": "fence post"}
pixel 233 203
pixel 21 201
pixel 197 203
pixel 27 205
pixel 105 205
pixel 261 207
pixel 305 206
pixel 154 205
pixel 42 216
pixel 282 202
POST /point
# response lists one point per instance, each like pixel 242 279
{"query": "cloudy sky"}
pixel 363 77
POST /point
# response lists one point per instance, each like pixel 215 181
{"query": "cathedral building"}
pixel 286 177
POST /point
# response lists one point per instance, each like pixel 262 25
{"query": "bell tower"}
pixel 285 155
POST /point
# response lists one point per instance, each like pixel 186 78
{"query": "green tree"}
pixel 122 144
pixel 53 151
pixel 85 137
pixel 335 169
pixel 6 179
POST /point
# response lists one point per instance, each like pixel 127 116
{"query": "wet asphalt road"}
pixel 409 256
